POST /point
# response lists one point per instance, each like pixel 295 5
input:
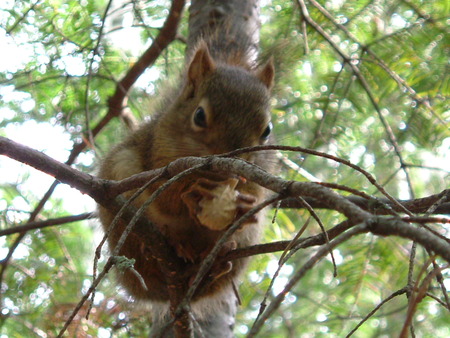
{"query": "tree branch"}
pixel 100 190
pixel 47 223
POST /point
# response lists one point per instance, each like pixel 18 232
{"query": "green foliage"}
pixel 60 75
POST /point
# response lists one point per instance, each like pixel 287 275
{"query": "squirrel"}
pixel 223 105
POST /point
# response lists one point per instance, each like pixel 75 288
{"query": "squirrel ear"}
pixel 201 66
pixel 266 73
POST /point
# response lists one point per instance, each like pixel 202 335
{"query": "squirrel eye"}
pixel 200 117
pixel 267 131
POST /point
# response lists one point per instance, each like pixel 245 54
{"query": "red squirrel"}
pixel 223 105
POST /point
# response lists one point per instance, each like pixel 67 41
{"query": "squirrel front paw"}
pixel 218 269
pixel 216 204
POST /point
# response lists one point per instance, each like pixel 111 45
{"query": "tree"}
pixel 362 87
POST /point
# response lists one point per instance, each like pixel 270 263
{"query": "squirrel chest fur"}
pixel 221 107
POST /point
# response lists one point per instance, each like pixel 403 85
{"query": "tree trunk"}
pixel 228 19
pixel 228 23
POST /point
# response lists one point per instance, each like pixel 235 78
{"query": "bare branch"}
pixel 323 251
pixel 47 223
pixel 371 313
pixel 100 190
pixel 363 82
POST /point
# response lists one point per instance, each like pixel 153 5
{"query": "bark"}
pixel 237 20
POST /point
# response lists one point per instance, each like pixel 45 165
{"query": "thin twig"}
pixel 47 223
pixel 362 80
pixel 90 136
pixel 323 251
pixel 371 313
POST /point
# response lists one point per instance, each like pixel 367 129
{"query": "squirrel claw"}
pixel 185 252
pixel 212 203
pixel 217 204
pixel 199 190
pixel 246 198
pixel 219 270
pixel 246 203
pixel 241 210
pixel 227 247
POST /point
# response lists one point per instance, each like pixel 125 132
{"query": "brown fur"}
pixel 236 104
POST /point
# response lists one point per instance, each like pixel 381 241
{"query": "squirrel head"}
pixel 222 107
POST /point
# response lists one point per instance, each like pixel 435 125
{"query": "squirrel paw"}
pixel 216 205
pixel 223 268
pixel 185 252
pixel 246 202
pixel 218 270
